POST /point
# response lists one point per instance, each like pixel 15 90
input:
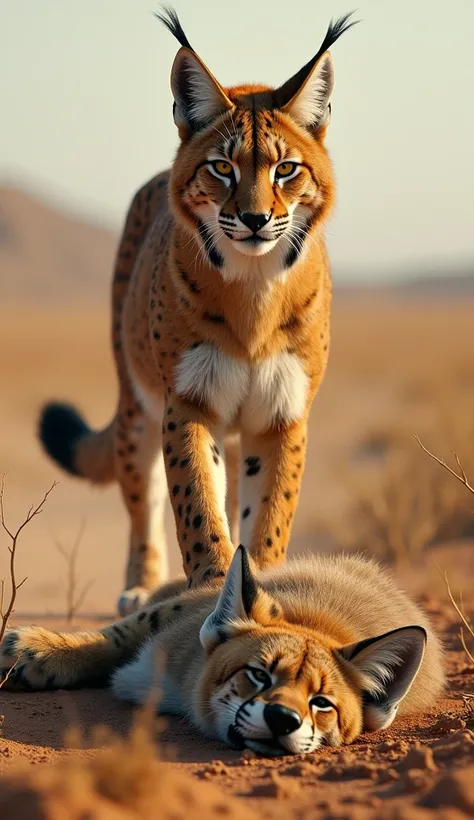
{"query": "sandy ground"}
pixel 379 362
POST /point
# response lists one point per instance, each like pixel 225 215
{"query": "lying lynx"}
pixel 280 661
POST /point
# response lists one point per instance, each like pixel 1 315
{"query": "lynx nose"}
pixel 281 720
pixel 254 221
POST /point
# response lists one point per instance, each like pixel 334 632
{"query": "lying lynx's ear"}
pixel 238 596
pixel 198 96
pixel 388 665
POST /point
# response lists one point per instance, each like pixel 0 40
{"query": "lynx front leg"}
pixel 271 472
pixel 195 467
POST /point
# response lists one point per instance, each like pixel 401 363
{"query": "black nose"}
pixel 254 221
pixel 281 720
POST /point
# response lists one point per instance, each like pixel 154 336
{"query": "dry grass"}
pixel 403 504
pixel 125 781
pixel 462 478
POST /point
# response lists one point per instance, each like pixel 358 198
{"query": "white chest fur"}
pixel 273 391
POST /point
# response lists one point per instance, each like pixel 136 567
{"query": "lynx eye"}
pixel 321 703
pixel 285 170
pixel 224 169
pixel 258 675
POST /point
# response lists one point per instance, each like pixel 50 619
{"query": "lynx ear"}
pixel 309 106
pixel 238 595
pixel 198 96
pixel 388 665
pixel 306 96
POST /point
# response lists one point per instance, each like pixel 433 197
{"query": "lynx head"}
pixel 252 177
pixel 278 687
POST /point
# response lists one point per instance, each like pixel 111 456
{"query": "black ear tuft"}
pixel 170 19
pixel 336 28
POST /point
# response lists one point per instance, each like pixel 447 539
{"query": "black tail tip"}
pixel 60 428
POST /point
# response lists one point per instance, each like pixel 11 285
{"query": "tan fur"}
pixel 300 616
pixel 213 335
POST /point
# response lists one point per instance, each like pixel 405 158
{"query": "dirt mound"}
pixel 124 782
pixel 49 257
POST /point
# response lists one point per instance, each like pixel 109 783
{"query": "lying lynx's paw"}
pixel 29 660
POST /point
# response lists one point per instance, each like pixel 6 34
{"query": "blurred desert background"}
pixel 83 128
pixel 86 119
pixel 402 362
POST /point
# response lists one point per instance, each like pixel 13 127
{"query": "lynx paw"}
pixel 132 599
pixel 27 660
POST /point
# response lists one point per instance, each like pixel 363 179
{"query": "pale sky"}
pixel 85 115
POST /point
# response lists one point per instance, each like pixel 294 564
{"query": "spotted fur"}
pixel 220 323
pixel 281 661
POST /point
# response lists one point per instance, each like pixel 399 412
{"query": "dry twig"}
pixel 15 586
pixel 74 598
pixel 461 614
pixel 461 476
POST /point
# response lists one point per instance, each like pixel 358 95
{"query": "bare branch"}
pixel 461 476
pixel 74 599
pixel 15 586
pixel 4 680
pixel 461 614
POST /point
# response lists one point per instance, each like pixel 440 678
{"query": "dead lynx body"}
pixel 221 302
pixel 279 661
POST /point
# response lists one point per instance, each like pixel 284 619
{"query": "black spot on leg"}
pixel 176 490
pixel 198 547
pixel 287 495
pixel 188 557
pixel 135 499
pixel 187 491
pixel 169 449
pixel 177 607
pixel 278 532
pixel 184 462
pixel 141 616
pixel 171 426
pixel 269 542
pixel 196 566
pixel 197 521
pixel 180 510
pixel 246 512
pixel 174 461
pixel 274 611
pixel 214 538
pixel 253 465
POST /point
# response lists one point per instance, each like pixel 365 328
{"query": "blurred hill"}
pixel 48 257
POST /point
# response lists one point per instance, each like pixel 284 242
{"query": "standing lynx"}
pixel 221 305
